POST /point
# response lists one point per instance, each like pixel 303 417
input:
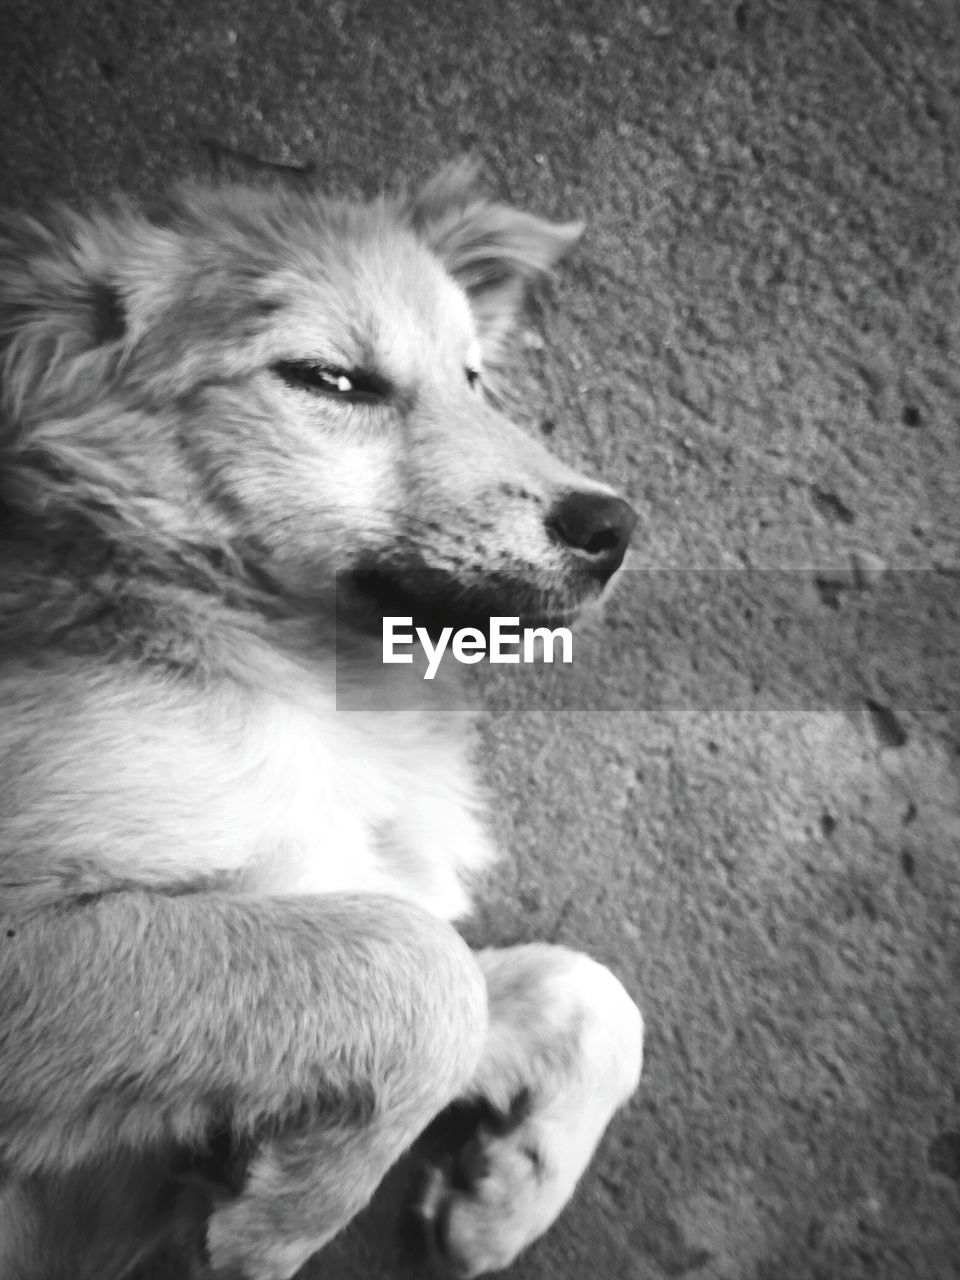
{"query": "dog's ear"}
pixel 60 313
pixel 491 249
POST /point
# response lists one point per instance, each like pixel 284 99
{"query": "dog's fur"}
pixel 236 426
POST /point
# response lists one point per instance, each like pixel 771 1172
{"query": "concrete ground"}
pixel 745 797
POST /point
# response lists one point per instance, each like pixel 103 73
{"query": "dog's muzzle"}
pixel 593 530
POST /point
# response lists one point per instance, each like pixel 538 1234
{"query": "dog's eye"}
pixel 473 377
pixel 353 385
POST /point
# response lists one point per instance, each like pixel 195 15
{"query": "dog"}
pixel 239 427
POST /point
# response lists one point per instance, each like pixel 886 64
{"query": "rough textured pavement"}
pixel 746 798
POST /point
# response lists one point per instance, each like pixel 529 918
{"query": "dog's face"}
pixel 305 381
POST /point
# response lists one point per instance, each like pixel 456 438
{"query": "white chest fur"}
pixel 274 791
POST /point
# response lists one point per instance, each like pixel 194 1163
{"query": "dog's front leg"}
pixel 321 1034
pixel 564 1050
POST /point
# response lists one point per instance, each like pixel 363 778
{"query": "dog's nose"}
pixel 596 527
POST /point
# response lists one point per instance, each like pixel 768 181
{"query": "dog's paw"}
pixel 496 1195
pixel 563 1056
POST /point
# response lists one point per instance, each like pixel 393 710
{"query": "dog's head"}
pixel 302 382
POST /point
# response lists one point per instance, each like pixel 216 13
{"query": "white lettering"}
pixel 469 645
pixel 498 638
pixel 543 638
pixel 391 639
pixel 434 653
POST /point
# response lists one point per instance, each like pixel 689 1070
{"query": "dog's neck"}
pixel 67 583
pixel 70 587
